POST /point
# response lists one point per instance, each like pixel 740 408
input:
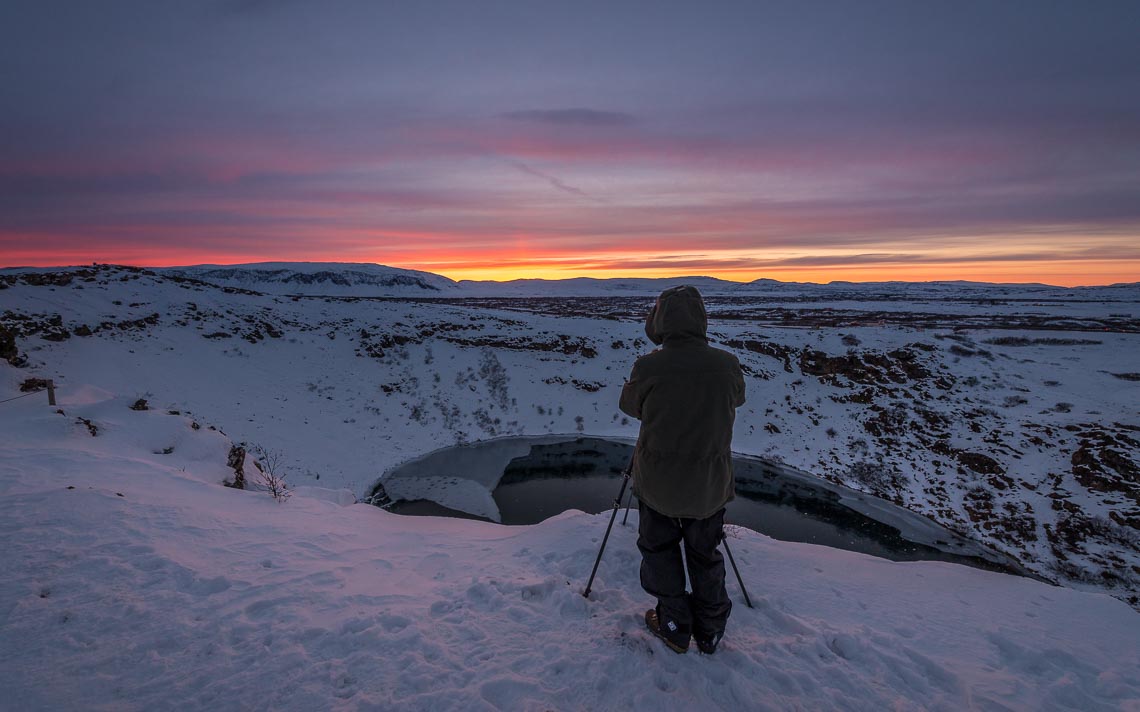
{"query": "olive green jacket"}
pixel 686 395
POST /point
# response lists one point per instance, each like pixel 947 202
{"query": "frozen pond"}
pixel 524 480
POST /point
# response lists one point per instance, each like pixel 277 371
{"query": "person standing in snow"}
pixel 685 394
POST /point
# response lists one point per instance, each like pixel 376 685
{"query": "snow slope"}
pixel 135 581
pixel 1011 419
pixel 328 278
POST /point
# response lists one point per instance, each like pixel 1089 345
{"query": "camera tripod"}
pixel 625 477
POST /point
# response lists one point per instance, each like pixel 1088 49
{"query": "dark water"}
pixel 585 474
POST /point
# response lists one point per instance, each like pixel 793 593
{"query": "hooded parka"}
pixel 686 394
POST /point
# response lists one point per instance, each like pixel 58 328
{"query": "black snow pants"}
pixel 704 612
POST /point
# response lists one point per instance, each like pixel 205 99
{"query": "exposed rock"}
pixel 587 386
pixel 236 462
pixel 867 368
pixel 379 497
pixel 33 384
pixel 982 464
pixel 1103 462
pixel 560 344
pixel 767 348
pixel 8 350
pixel 55 279
pixel 48 326
pixel 129 324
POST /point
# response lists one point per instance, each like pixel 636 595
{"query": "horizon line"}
pixel 562 279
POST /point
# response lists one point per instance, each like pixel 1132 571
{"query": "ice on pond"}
pixel 526 480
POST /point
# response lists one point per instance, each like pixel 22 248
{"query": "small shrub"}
pixel 495 377
pixel 1068 342
pixel 1022 341
pixel 876 476
pixel 1076 527
pixel 1009 341
pixel 980 492
pixel 271 474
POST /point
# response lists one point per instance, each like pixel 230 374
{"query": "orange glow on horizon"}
pixel 1060 273
pixel 517 262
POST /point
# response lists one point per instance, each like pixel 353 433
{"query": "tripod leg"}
pixel 724 540
pixel 628 501
pixel 602 548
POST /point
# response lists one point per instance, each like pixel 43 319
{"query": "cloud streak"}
pixel 555 182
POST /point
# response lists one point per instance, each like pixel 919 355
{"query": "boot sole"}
pixel 655 629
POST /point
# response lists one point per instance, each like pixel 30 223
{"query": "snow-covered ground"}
pixel 1007 413
pixel 134 581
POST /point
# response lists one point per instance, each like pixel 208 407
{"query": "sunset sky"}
pixel 912 140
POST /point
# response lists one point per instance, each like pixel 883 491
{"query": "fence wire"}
pixel 24 396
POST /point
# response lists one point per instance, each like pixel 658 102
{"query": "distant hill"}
pixel 372 280
pixel 588 286
pixel 320 278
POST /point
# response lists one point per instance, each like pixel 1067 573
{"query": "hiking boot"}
pixel 707 646
pixel 675 636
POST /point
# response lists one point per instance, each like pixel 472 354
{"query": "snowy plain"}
pixel 183 593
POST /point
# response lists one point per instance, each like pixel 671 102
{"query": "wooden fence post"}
pixel 51 392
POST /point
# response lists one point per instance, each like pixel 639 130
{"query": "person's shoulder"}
pixel 649 359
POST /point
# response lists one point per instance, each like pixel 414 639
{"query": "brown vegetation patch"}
pixel 33 384
pixel 866 368
pixel 587 386
pixel 560 344
pixel 767 348
pixel 1104 462
pixel 8 349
